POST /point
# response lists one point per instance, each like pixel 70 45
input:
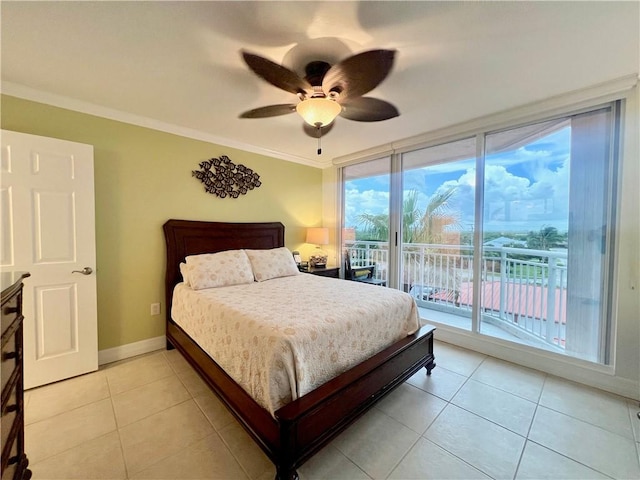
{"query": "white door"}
pixel 48 229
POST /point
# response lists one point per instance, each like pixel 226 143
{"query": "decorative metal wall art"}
pixel 222 177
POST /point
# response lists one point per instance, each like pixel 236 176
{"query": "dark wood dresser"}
pixel 14 461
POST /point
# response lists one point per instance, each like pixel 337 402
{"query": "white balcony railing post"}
pixel 421 264
pixel 503 285
pixel 551 300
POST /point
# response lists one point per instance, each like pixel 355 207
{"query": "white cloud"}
pixel 512 201
pixel 524 189
pixel 368 201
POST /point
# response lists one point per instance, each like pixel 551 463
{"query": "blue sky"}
pixel 525 189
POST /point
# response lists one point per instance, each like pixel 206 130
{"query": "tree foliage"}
pixel 544 239
pixel 428 226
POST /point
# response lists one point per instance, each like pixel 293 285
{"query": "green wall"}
pixel 142 179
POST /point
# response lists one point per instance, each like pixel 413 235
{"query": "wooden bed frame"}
pixel 304 426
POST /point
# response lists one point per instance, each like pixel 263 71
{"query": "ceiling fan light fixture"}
pixel 318 110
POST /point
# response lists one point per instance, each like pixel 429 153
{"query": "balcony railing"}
pixel 523 291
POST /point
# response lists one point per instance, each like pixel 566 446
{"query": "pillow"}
pixel 184 271
pixel 361 273
pixel 221 269
pixel 273 263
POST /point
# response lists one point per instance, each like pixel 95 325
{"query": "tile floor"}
pixel 476 417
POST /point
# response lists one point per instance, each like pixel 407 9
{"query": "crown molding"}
pixel 372 153
pixel 35 95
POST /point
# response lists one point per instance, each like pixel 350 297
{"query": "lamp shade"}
pixel 318 235
pixel 318 110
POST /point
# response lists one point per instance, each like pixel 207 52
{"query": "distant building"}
pixel 502 241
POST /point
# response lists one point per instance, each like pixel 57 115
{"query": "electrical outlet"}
pixel 155 309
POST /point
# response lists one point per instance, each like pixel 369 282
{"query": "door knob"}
pixel 84 271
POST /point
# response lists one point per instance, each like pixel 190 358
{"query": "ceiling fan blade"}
pixel 358 74
pixel 313 131
pixel 269 111
pixel 368 109
pixel 276 75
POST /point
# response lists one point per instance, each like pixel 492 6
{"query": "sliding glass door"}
pixel 506 233
pixel 438 221
pixel 366 221
pixel 546 223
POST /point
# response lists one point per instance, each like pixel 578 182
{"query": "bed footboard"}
pixel 309 423
pixel 304 426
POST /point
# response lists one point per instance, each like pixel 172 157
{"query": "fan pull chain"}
pixel 319 127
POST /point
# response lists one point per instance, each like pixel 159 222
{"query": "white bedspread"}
pixel 282 338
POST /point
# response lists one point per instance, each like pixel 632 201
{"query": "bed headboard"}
pixel 188 237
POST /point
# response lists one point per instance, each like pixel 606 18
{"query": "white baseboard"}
pixel 131 349
pixel 597 376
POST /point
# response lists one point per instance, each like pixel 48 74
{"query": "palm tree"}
pixel 437 218
pixel 417 226
pixel 376 227
pixel 426 227
pixel 544 239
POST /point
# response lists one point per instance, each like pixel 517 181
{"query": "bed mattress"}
pixel 282 338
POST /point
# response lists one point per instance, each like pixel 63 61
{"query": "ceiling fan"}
pixel 327 91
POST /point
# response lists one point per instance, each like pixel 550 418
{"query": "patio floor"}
pixel 464 323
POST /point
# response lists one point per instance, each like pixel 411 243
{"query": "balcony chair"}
pixel 361 273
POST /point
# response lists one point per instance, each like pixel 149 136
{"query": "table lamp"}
pixel 318 236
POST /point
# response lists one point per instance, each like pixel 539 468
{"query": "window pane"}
pixel 437 234
pixel 544 218
pixel 365 233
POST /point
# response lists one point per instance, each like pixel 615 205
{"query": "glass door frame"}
pixel 391 266
pixel 395 243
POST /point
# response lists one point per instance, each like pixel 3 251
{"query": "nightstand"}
pixel 332 272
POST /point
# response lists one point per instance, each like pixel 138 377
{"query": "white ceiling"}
pixel 176 66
